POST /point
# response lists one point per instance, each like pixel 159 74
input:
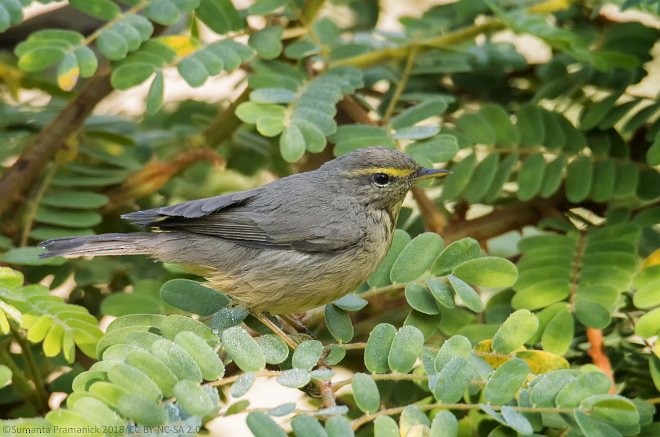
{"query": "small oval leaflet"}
pixel 519 327
pixel 193 297
pixel 416 257
pixel 489 271
pixel 365 393
pixel 243 349
pixel 406 347
pixel 378 347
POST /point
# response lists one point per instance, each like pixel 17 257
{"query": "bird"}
pixel 293 244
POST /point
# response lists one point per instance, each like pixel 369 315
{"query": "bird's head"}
pixel 379 177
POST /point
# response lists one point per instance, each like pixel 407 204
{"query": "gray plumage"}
pixel 290 245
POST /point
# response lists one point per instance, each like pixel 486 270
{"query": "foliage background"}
pixel 448 336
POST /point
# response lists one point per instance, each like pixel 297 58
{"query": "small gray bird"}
pixel 293 244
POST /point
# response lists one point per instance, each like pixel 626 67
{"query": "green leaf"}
pixel 71 219
pixel 307 354
pixel 440 148
pixel 530 125
pixel 405 348
pixel 272 95
pixel 428 108
pixel 413 419
pixel 385 426
pixel 489 271
pixel 498 119
pixel 381 277
pixel 482 178
pixel 141 410
pixel 105 10
pixel 275 350
pixel 378 347
pixel 546 386
pixel 365 392
pixel 243 384
pixel 466 294
pixel 134 381
pixel 351 302
pixel 292 143
pixel 162 12
pixel 649 324
pixel 552 176
pixel 591 427
pixel 530 176
pixel 591 313
pixel 68 72
pixel 579 179
pixel 421 299
pixel 454 346
pixel 155 368
pixel 519 327
pixel 206 359
pixel 338 426
pixel 243 349
pixel 304 425
pixel 595 112
pixel 267 42
pixel 453 380
pixel 338 323
pixel 602 187
pixel 155 96
pixel 516 421
pixel 177 360
pixel 614 410
pixel 441 292
pixel 40 59
pixel 419 132
pixel 558 333
pixel 476 129
pixel 112 44
pixel 193 71
pixel 455 183
pixel 294 378
pixel 505 382
pixel 263 426
pixel 75 199
pixel 193 398
pixel 193 297
pixel 580 388
pixel 501 177
pixel 220 16
pixel 648 295
pixel 416 257
pixel 444 424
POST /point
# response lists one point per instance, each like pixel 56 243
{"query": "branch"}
pixel 501 220
pixel 20 176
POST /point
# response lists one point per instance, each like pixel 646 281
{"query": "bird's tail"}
pixel 134 243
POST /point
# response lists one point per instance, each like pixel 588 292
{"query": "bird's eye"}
pixel 381 179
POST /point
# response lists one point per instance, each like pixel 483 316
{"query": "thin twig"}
pixel 276 330
pixel 35 373
pixel 401 86
pixel 33 205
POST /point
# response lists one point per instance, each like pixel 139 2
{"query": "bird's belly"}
pixel 280 281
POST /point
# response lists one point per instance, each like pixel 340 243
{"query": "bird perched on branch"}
pixel 293 244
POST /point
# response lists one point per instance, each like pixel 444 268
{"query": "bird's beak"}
pixel 428 173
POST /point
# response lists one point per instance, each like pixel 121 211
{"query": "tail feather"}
pixel 135 243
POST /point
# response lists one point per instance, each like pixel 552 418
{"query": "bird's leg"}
pixel 276 329
pixel 296 324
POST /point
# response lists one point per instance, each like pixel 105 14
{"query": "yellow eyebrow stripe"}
pixel 391 171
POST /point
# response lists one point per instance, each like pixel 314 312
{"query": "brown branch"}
pixel 598 355
pixel 501 220
pixel 155 174
pixel 20 176
pixel 434 220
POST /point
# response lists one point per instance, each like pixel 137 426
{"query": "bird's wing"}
pixel 323 223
